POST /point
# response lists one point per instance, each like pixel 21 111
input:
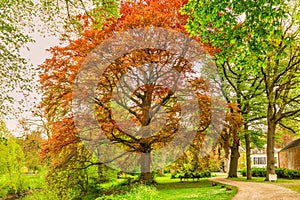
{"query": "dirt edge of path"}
pixel 257 190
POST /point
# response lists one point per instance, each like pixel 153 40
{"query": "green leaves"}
pixel 61 16
pixel 15 17
pixel 226 23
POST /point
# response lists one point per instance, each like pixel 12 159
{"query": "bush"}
pixel 207 174
pixel 243 172
pixel 287 173
pixel 256 172
pixel 173 176
pixel 281 173
pixel 204 174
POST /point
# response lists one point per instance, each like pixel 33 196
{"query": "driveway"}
pixel 258 191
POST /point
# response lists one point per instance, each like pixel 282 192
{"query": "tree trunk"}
pixel 234 158
pixel 162 163
pixel 145 176
pixel 248 152
pixel 161 172
pixel 270 148
pixel 101 175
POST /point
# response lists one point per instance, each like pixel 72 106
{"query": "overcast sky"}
pixel 37 54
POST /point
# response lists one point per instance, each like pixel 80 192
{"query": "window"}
pixel 260 160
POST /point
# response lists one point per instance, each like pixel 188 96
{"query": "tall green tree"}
pixel 223 27
pixel 245 32
pixel 281 75
pixel 243 87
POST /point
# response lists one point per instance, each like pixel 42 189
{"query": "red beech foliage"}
pixel 60 71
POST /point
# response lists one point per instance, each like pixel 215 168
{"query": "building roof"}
pixel 292 144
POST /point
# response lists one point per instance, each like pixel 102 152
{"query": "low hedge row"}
pixel 281 173
pixel 202 174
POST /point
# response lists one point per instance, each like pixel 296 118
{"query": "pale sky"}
pixel 37 55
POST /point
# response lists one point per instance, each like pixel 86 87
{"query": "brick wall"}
pixel 290 158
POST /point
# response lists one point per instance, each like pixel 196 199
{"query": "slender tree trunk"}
pixel 162 165
pixel 270 148
pixel 234 158
pixel 248 152
pixel 145 176
pixel 161 172
pixel 101 175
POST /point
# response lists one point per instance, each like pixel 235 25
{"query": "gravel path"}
pixel 258 191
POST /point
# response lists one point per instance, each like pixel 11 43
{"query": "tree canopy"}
pixel 255 39
pixel 139 76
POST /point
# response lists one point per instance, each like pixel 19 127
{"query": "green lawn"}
pixel 173 189
pixel 23 183
pixel 295 188
pixel 166 188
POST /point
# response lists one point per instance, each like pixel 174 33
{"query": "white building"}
pixel 259 157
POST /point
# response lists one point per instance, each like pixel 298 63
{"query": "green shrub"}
pixel 207 173
pixel 173 176
pixel 296 174
pixel 287 173
pixel 281 173
pixel 243 172
pixel 258 172
pixel 204 174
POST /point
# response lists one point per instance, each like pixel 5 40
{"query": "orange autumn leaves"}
pixel 60 71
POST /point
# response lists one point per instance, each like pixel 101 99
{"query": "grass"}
pixel 34 181
pixel 172 189
pixel 137 192
pixel 295 188
pixel 166 188
pixel 21 184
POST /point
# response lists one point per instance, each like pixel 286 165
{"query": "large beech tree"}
pixel 142 105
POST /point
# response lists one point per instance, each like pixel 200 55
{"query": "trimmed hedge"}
pixel 281 173
pixel 202 174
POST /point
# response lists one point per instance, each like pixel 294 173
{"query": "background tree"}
pixel 19 19
pixel 15 18
pixel 11 160
pixel 244 88
pixel 31 146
